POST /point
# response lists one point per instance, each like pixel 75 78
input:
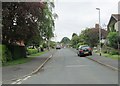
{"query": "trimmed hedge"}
pixel 11 52
pixel 17 51
pixel 6 54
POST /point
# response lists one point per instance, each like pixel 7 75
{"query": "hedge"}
pixel 32 51
pixel 110 50
pixel 6 54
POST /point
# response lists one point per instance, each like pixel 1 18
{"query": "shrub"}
pixel 104 51
pixel 113 38
pixel 32 51
pixel 110 50
pixel 44 45
pixel 6 54
pixel 114 52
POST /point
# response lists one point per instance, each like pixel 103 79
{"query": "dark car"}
pixel 58 47
pixel 84 50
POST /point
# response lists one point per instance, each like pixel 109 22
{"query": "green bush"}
pixel 45 45
pixel 6 54
pixel 32 51
pixel 110 50
pixel 104 51
pixel 114 52
pixel 113 38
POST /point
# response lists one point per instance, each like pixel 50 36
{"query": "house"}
pixel 114 23
pixel 103 31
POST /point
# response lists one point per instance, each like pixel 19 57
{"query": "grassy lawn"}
pixel 23 60
pixel 0 55
pixel 38 54
pixel 115 57
pixel 0 50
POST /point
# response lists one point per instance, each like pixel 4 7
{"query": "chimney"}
pixel 96 26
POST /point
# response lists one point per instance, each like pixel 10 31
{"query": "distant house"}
pixel 114 23
pixel 103 31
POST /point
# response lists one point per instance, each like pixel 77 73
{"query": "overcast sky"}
pixel 76 15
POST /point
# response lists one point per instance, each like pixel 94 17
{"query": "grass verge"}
pixel 115 57
pixel 23 60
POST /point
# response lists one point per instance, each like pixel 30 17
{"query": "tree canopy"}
pixel 27 21
pixel 114 39
pixel 65 40
pixel 74 34
pixel 89 36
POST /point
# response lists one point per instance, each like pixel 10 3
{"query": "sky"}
pixel 76 15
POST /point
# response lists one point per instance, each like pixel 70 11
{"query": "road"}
pixel 66 67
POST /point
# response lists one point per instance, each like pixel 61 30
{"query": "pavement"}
pixel 105 61
pixel 111 63
pixel 11 73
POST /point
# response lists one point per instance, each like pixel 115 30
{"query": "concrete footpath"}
pixel 10 73
pixel 105 61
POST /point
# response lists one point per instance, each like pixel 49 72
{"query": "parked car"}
pixel 84 50
pixel 58 47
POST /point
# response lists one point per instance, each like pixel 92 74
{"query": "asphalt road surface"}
pixel 66 67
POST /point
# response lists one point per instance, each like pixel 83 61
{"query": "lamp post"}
pixel 99 30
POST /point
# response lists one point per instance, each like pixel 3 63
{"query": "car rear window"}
pixel 84 47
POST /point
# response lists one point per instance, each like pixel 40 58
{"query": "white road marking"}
pixel 26 77
pixel 19 83
pixel 76 65
pixel 14 83
pixel 19 80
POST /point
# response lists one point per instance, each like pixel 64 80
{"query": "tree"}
pixel 20 21
pixel 74 34
pixel 114 39
pixel 47 26
pixel 75 40
pixel 91 36
pixel 29 22
pixel 52 44
pixel 65 40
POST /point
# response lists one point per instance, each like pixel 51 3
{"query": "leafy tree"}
pixel 75 40
pixel 74 34
pixel 46 26
pixel 52 44
pixel 29 22
pixel 91 36
pixel 20 20
pixel 114 39
pixel 24 20
pixel 65 40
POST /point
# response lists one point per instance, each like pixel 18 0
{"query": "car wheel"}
pixel 80 55
pixel 90 53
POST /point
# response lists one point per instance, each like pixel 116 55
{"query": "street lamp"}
pixel 99 30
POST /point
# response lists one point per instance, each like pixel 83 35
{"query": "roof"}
pixel 20 43
pixel 116 16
